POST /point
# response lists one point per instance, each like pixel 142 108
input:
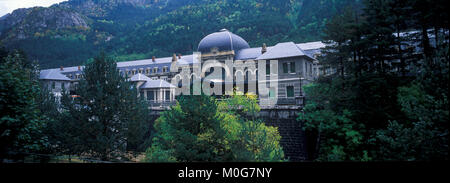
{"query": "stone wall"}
pixel 293 139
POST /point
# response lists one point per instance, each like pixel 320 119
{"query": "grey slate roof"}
pixel 311 45
pixel 282 50
pixel 52 74
pixel 139 77
pixel 309 49
pixel 136 64
pixel 156 84
pixel 223 40
pixel 249 53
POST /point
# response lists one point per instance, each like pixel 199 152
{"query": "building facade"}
pixel 292 65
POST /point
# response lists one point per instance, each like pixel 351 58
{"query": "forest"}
pixel 158 28
pixel 386 95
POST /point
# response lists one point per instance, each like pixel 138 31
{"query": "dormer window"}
pixel 141 70
pixel 147 71
pixel 214 50
pixel 155 70
pixel 165 68
pixel 316 55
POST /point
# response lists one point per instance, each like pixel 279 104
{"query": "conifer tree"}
pixel 21 122
pixel 100 120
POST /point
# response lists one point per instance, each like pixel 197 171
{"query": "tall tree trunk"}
pixel 317 148
pixel 426 44
pixel 400 53
pixel 436 37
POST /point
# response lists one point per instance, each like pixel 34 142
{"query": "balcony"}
pixel 161 104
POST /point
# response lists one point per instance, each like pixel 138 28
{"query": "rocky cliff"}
pixel 25 23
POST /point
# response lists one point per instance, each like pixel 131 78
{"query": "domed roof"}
pixel 223 41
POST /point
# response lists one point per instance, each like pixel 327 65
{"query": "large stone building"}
pixel 159 80
pixel 293 65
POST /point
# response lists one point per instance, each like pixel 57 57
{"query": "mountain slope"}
pixel 72 32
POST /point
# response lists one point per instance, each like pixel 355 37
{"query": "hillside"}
pixel 70 33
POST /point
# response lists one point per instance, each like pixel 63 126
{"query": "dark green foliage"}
pixel 421 136
pixel 201 129
pixel 108 118
pixel 21 122
pixel 388 103
pixel 191 131
pixel 161 28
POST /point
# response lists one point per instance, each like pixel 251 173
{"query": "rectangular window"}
pixel 268 69
pixel 53 85
pixel 272 93
pixel 290 91
pixel 150 95
pixel 285 68
pixel 167 95
pixel 306 68
pixel 292 67
pixel 62 85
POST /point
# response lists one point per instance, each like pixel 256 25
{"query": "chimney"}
pixel 62 68
pixel 153 58
pixel 264 48
pixel 179 56
pixel 174 57
pixel 79 68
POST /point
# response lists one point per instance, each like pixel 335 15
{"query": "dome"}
pixel 223 41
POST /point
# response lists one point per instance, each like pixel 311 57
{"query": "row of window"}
pixel 77 76
pixel 288 67
pixel 54 85
pixel 289 92
pixel 153 95
pixel 147 71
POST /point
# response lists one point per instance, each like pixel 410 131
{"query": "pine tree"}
pixel 344 46
pixel 21 122
pixel 99 122
pixel 380 33
pixel 191 130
